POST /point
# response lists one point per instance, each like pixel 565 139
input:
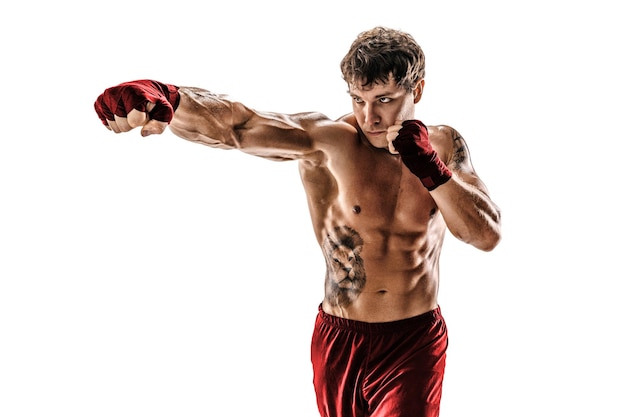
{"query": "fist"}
pixel 145 103
pixel 410 140
pixel 392 134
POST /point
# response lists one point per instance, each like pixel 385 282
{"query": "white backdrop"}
pixel 156 277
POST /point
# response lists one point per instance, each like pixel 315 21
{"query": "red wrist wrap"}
pixel 419 156
pixel 123 98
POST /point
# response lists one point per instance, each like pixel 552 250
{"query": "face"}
pixel 379 106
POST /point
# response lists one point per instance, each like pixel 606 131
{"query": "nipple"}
pixel 356 209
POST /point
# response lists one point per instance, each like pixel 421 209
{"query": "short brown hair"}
pixel 379 52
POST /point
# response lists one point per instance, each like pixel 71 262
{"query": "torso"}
pixel 378 227
pixel 379 230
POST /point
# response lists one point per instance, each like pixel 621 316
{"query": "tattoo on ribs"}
pixel 345 272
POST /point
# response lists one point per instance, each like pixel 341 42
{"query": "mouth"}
pixel 376 132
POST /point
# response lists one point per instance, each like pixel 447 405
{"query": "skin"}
pixel 380 230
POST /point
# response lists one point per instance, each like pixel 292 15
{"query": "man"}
pixel 382 188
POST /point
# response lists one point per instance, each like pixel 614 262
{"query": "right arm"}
pixel 210 119
pixel 216 121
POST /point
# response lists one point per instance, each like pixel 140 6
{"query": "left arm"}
pixel 439 157
pixel 464 201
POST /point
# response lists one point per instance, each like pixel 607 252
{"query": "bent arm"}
pixel 464 201
pixel 214 120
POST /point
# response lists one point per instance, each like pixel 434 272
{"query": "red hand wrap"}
pixel 419 156
pixel 123 98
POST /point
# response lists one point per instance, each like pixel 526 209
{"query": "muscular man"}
pixel 381 188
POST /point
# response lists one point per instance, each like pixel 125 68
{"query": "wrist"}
pixel 438 175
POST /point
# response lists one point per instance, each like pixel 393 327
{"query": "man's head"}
pixel 379 53
pixel 384 69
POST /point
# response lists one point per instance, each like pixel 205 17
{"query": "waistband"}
pixel 388 326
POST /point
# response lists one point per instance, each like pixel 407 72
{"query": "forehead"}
pixel 389 88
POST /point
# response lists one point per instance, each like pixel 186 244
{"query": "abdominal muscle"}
pixel 396 279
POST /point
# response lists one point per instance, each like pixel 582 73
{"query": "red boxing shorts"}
pixel 392 369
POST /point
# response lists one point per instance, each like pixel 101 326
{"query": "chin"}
pixel 377 141
pixel 379 144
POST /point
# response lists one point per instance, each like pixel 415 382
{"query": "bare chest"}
pixel 369 190
pixel 384 191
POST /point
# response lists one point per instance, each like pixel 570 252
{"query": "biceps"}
pixel 273 137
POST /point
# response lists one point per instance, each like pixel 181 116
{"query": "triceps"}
pixel 217 121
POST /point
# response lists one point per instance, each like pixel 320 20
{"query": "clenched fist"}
pixel 409 138
pixel 147 103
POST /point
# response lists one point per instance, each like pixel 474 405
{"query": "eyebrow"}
pixel 384 94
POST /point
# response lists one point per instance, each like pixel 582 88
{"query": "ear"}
pixel 417 92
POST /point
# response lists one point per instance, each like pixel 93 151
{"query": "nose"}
pixel 371 118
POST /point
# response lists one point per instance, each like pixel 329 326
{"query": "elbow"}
pixel 489 237
pixel 483 231
pixel 485 237
pixel 488 243
pixel 491 232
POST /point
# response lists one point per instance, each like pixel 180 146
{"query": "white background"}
pixel 156 277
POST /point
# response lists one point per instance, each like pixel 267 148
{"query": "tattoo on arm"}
pixel 345 272
pixel 460 154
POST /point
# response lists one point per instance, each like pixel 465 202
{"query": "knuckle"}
pixel 136 118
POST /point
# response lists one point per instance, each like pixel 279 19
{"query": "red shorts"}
pixel 392 369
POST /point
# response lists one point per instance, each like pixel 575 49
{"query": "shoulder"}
pixel 450 146
pixel 442 134
pixel 326 132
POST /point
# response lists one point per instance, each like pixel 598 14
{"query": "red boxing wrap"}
pixel 123 98
pixel 419 156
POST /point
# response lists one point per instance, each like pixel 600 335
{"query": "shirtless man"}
pixel 381 189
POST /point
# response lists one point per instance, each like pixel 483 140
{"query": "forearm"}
pixel 206 118
pixel 469 213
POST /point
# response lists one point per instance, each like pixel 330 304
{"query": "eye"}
pixel 357 100
pixel 384 100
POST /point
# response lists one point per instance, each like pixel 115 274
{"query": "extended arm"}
pixel 214 120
